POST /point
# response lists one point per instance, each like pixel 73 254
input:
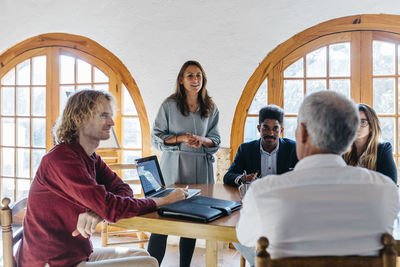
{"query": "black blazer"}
pixel 248 157
pixel 385 163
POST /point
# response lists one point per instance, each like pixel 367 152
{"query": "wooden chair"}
pixel 107 230
pixel 387 257
pixel 9 240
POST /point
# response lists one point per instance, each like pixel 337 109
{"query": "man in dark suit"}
pixel 270 154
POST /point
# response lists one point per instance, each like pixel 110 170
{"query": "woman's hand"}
pixel 194 140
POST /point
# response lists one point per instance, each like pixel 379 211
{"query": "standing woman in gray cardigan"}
pixel 186 131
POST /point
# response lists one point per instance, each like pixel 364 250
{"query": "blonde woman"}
pixel 366 150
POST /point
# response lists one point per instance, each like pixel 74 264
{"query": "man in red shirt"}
pixel 74 190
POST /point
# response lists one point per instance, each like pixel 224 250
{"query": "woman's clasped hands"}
pixel 193 140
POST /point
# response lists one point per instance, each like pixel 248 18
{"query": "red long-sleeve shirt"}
pixel 69 182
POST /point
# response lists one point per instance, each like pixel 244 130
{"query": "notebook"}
pixel 199 209
pixel 151 178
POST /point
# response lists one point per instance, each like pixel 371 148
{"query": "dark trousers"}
pixel 158 244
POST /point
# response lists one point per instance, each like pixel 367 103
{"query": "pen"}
pixel 187 187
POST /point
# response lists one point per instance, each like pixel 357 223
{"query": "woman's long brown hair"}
pixel 371 152
pixel 205 101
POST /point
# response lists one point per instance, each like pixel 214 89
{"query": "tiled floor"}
pixel 230 257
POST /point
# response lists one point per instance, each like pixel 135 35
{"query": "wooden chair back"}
pixel 387 257
pixel 107 230
pixel 119 167
pixel 9 240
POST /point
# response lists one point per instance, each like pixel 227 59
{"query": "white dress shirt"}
pixel 268 161
pixel 323 207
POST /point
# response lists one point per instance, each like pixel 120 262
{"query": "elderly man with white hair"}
pixel 323 206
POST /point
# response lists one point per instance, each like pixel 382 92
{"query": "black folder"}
pixel 199 208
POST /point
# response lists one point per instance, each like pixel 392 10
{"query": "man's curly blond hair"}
pixel 80 108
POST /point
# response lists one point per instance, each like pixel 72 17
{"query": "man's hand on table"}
pixel 176 195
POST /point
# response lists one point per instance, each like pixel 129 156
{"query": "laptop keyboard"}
pixel 164 193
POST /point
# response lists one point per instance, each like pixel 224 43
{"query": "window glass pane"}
pixel 132 136
pixel 293 95
pixel 315 86
pixel 23 162
pixel 260 99
pixel 295 70
pixel 23 132
pixel 7 188
pixel 7 162
pixel 39 101
pixel 384 95
pixel 84 87
pixel 65 92
pixel 39 132
pixel 103 87
pixel 383 58
pixel 289 127
pixel 339 60
pixel 39 70
pixel 128 107
pixel 23 100
pixel 398 68
pixel 8 101
pixel 37 155
pixel 67 69
pixel 250 129
pixel 99 76
pixel 316 63
pixel 8 132
pixel 129 156
pixel 84 72
pixel 22 188
pixel 24 73
pixel 341 86
pixel 9 78
pixel 136 188
pixel 388 133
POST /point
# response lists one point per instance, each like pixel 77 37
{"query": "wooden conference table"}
pixel 222 229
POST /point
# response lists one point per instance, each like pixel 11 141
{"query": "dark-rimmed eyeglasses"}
pixel 364 122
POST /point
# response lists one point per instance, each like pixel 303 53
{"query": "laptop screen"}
pixel 149 174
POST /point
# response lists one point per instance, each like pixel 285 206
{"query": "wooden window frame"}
pixel 277 60
pixel 54 44
pixel 82 46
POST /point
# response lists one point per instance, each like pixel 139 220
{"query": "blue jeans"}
pixel 248 253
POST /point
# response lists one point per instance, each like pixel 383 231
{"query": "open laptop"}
pixel 152 180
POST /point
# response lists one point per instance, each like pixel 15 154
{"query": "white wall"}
pixel 154 37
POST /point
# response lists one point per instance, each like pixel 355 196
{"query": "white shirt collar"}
pixel 320 161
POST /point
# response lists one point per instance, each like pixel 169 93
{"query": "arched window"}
pixel 36 78
pixel 357 56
